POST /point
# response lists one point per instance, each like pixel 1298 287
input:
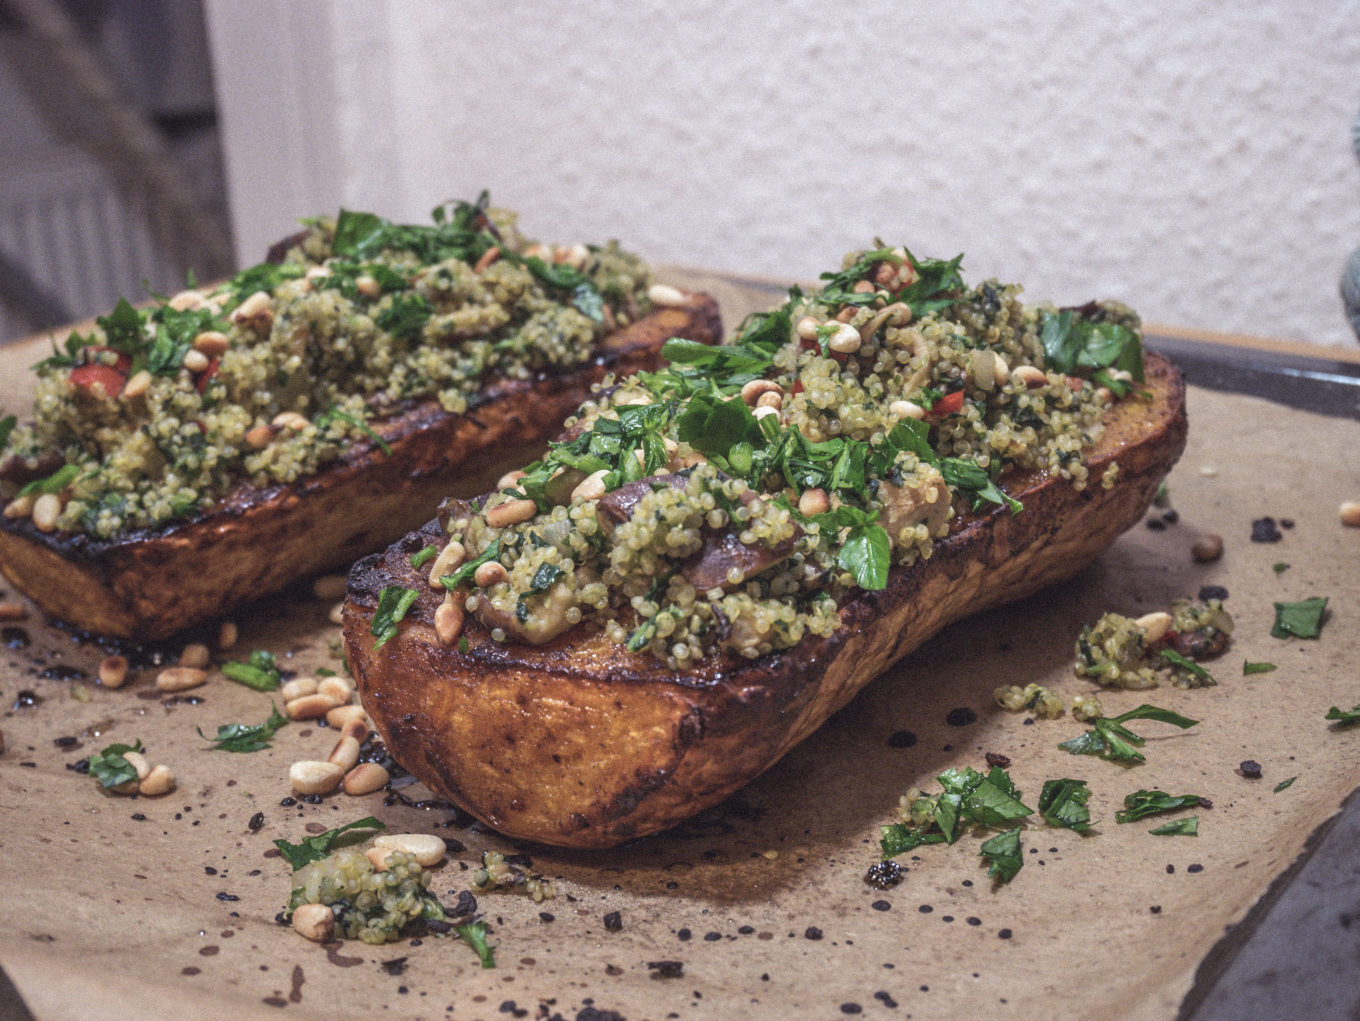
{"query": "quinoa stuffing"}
pixel 371 906
pixel 158 412
pixel 730 503
pixel 1120 652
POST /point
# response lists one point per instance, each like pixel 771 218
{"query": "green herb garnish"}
pixel 1003 856
pixel 474 935
pixel 317 847
pixel 1111 740
pixel 1344 718
pixel 1076 345
pixel 1248 668
pixel 1299 620
pixel 259 672
pixel 1063 803
pixel 1279 568
pixel 109 766
pixel 458 577
pixel 1141 804
pixel 54 483
pixel 1187 827
pixel 1285 784
pixel 241 737
pixel 424 556
pixel 1174 657
pixel 393 602
pixel 334 413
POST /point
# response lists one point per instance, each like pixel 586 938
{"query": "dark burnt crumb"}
pixel 1286 523
pixel 1207 592
pixel 925 909
pixel 29 765
pixel 684 935
pixel 396 966
pixel 960 717
pixel 901 739
pixel 81 766
pixel 924 989
pixel 465 907
pixel 967 882
pixel 851 1008
pixel 210 870
pixel 973 920
pixel 1170 516
pixel 881 905
pixel 1156 909
pixel 665 969
pixel 746 930
pixel 883 874
pixel 812 932
pixel 1250 768
pixel 138 817
pixel 885 998
pixel 1156 525
pixel 946 918
pixel 546 916
pixel 712 937
pixel 438 926
pixel 256 822
pixel 1265 530
pixel 288 802
pixel 998 760
pixel 1170 870
pixel 1028 721
pixel 1004 933
pixel 66 741
pixel 223 895
pixel 613 921
pixel 26 699
pixel 1194 868
pixel 313 799
pixel 590 1013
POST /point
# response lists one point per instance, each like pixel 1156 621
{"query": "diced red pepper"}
pixel 949 404
pixel 207 374
pixel 797 386
pixel 109 378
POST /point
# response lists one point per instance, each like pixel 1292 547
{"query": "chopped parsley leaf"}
pixel 1346 718
pixel 1063 803
pixel 424 556
pixel 1143 803
pixel 1003 856
pixel 1248 668
pixel 1172 656
pixel 1111 740
pixel 474 935
pixel 393 602
pixel 1284 785
pixel 458 577
pixel 241 737
pixel 1299 620
pixel 259 672
pixel 109 766
pixel 1187 827
pixel 317 847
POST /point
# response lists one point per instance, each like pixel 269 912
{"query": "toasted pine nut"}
pixel 315 922
pixel 365 778
pixel 752 391
pixel 356 727
pixel 212 343
pixel 340 716
pixel 137 385
pixel 335 687
pixel 345 754
pixel 196 655
pixel 113 671
pixel 906 409
pixel 487 258
pixel 312 777
pixel 13 611
pixel 807 328
pixel 337 614
pixel 1154 625
pixel 186 301
pixel 158 782
pixel 308 707
pixel 1207 548
pixel 450 558
pixel 329 587
pixel 227 634
pixel 512 512
pixel 591 487
pixel 814 501
pixel 367 286
pixel 575 256
pixel 1002 371
pixel 46 510
pixel 291 420
pixel 316 273
pixel 425 848
pixel 253 309
pixel 1350 513
pixel 20 507
pixel 195 360
pixel 508 480
pixel 138 762
pixel 1029 376
pixel 180 678
pixel 665 295
pixel 297 688
pixel 846 340
pixel 492 572
pixel 260 436
pixel 448 620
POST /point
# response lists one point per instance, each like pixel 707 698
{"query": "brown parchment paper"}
pixel 165 908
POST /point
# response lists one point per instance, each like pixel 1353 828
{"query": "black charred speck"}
pixel 666 969
pixel 256 822
pixel 901 739
pixel 960 717
pixel 812 932
pixel 1207 592
pixel 1251 769
pixel 613 921
pixel 883 874
pixel 1265 530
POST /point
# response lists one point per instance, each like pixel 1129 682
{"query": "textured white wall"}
pixel 1191 158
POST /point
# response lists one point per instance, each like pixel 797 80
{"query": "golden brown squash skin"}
pixel 580 743
pixel 152 583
